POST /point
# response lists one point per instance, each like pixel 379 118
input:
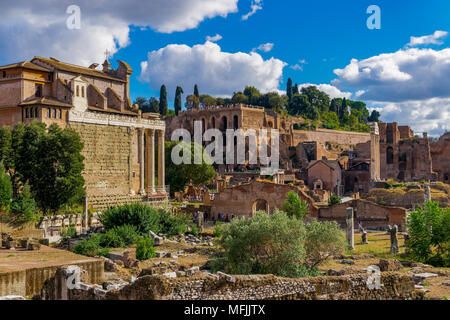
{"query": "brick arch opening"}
pixel 260 205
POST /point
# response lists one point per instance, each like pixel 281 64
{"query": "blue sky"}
pixel 408 84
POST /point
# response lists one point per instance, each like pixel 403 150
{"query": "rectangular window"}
pixel 49 113
pixel 54 113
pixel 38 90
pixel 82 92
pixel 59 114
pixel 26 113
pixel 78 91
pixel 36 112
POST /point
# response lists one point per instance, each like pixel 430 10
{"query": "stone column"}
pixel 161 162
pixel 350 230
pixel 85 215
pixel 150 134
pixel 141 162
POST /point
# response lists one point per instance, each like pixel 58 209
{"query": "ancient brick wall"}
pixel 370 214
pixel 343 138
pixel 440 154
pixel 108 158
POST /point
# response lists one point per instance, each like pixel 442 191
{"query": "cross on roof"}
pixel 107 54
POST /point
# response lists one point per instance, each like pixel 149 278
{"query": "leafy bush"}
pixel 277 244
pixel 263 244
pixel 194 231
pixel 323 239
pixel 294 206
pixel 67 233
pixel 145 218
pixel 111 239
pixel 145 248
pixel 23 208
pixel 218 229
pixel 387 185
pixel 334 199
pixel 91 247
pixel 127 233
pixel 429 231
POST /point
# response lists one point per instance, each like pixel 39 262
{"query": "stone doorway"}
pixel 260 205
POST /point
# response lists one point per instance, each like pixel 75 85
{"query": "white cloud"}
pixel 332 91
pixel 29 28
pixel 216 72
pixel 215 38
pixel 409 86
pixel 412 74
pixel 430 39
pixel 255 6
pixel 431 115
pixel 266 47
pixel 299 66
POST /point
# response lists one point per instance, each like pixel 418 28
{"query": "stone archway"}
pixel 260 205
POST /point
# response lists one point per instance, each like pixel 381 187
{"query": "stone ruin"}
pixel 12 243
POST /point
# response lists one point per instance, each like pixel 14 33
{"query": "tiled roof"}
pixel 46 102
pixel 25 65
pixel 78 69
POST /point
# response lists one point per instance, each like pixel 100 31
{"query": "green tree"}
pixel 207 100
pixel 196 93
pixel 323 240
pixel 330 120
pixel 52 163
pixel 334 199
pixel 294 206
pixel 178 101
pixel 163 106
pixel 374 116
pixel 298 105
pixel 180 175
pixel 192 102
pixel 289 89
pixel 266 243
pixel 253 94
pixel 317 98
pixel 335 105
pixel 343 112
pixel 23 207
pixel 5 189
pixel 429 231
pixel 296 90
pixel 142 103
pixel 6 151
pixel 239 97
pixel 153 105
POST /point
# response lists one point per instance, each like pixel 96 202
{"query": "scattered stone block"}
pixel 419 277
pixel 389 265
pixel 170 274
pixel 349 262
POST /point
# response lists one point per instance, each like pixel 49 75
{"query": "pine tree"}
pixel 196 93
pixel 163 107
pixel 178 101
pixel 296 91
pixel 344 109
pixel 289 90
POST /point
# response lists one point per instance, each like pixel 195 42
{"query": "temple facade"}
pixel 122 146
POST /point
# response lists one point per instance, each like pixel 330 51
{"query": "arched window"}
pixel 213 122
pixel 82 92
pixel 203 125
pixel 446 177
pixel 390 155
pixel 270 124
pixel 236 122
pixel 78 91
pixel 224 126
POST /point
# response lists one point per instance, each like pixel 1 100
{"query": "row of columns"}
pixel 147 161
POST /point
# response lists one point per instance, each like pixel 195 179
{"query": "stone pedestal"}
pixel 350 235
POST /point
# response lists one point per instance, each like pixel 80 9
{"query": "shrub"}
pixel 334 199
pixel 67 233
pixel 145 248
pixel 127 233
pixel 218 229
pixel 294 206
pixel 111 239
pixel 263 244
pixel 145 218
pixel 323 239
pixel 23 208
pixel 387 185
pixel 429 230
pixel 194 231
pixel 91 247
pixel 5 189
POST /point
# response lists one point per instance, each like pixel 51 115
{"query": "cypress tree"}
pixel 196 93
pixel 177 103
pixel 163 100
pixel 289 90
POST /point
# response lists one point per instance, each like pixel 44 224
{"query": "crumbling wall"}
pixel 394 286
